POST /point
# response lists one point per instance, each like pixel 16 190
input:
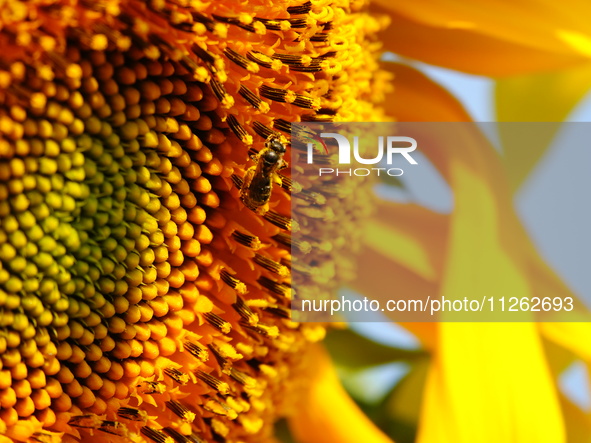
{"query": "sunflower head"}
pixel 140 299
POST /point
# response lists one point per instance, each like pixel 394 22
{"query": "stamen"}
pixel 178 376
pixel 239 130
pixel 263 60
pixel 313 66
pixel 181 410
pixel 114 428
pixel 203 54
pixel 88 421
pixel 152 387
pixel 241 61
pixel 197 350
pixel 306 102
pixel 233 282
pixel 264 330
pixel 194 438
pixel 243 378
pixel 132 414
pixel 155 435
pixel 180 438
pixel 220 408
pixel 176 435
pixel 225 364
pixel 200 73
pixel 234 21
pixel 281 221
pixel 301 9
pixel 245 312
pixel 275 94
pixel 278 311
pixel 218 322
pixel 202 18
pixel 287 96
pixel 271 265
pixel 250 241
pixel 45 437
pixel 282 125
pixel 315 198
pixel 253 99
pixel 286 239
pixel 319 37
pixel 323 118
pixel 212 382
pixel 277 288
pixel 262 130
pixel 282 25
pixel 226 100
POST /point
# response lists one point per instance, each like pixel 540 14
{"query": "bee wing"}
pixel 247 180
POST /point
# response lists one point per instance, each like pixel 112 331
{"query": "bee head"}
pixel 274 144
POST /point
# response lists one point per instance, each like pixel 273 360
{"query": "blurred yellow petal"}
pixel 414 237
pixel 518 391
pixel 489 383
pixel 412 249
pixel 576 337
pixel 416 98
pixel 327 414
pixel 490 37
pixel 546 97
pixel 371 281
pixel 578 423
pixel 572 336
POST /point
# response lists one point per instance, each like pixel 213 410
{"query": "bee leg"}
pixel 262 210
pixel 277 179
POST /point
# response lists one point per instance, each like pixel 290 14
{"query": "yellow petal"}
pixel 572 336
pixel 576 337
pixel 416 98
pixel 547 97
pixel 327 414
pixel 578 423
pixel 371 283
pixel 490 37
pixel 411 235
pixel 489 383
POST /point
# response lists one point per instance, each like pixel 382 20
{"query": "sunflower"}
pixel 141 299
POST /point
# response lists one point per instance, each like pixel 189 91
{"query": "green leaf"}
pixel 398 413
pixel 353 352
pixel 404 402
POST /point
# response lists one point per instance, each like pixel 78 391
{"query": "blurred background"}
pixel 382 365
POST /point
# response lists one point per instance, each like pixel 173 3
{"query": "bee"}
pixel 259 179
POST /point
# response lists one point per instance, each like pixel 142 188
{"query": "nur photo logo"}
pixel 388 148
